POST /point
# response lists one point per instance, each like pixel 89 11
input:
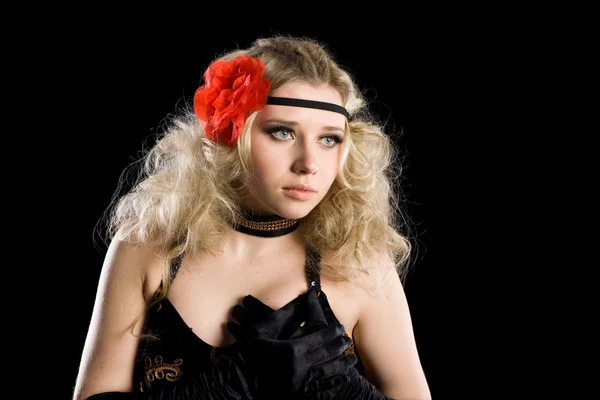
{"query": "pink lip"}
pixel 307 188
pixel 299 194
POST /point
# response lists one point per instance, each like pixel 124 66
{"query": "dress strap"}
pixel 174 268
pixel 175 265
pixel 313 269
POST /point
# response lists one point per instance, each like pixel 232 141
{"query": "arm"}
pixel 109 351
pixel 386 344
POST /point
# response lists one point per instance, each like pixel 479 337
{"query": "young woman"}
pixel 261 252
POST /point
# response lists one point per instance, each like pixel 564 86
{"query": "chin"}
pixel 295 212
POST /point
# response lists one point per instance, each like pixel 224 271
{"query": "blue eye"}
pixel 329 141
pixel 281 134
pixel 332 141
pixel 284 133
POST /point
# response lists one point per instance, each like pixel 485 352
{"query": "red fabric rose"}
pixel 231 90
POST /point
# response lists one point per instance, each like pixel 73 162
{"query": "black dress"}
pixel 178 364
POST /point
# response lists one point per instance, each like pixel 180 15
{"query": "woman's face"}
pixel 295 146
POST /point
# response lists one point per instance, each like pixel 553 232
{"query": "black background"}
pixel 493 102
pixel 116 82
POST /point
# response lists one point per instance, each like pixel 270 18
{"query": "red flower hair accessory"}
pixel 232 90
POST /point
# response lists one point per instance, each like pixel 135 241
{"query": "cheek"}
pixel 266 166
pixel 333 165
pixel 332 177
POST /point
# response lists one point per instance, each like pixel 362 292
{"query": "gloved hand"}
pixel 357 387
pixel 293 349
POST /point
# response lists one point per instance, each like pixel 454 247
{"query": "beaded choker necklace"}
pixel 265 225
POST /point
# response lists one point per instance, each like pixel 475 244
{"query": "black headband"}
pixel 287 101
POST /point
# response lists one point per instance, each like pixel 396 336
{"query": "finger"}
pixel 328 343
pixel 317 386
pixel 237 330
pixel 336 366
pixel 315 318
pixel 256 307
pixel 242 315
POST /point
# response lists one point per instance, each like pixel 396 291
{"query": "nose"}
pixel 306 161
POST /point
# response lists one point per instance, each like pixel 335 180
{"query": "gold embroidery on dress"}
pixel 160 370
pixel 350 348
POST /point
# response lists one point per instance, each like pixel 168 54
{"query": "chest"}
pixel 206 290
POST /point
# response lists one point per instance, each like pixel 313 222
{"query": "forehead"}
pixel 305 91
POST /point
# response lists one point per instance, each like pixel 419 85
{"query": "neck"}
pixel 241 246
pixel 264 226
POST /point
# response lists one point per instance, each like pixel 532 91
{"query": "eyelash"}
pixel 271 131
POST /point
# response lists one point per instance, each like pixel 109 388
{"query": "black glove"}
pixel 356 388
pixel 294 348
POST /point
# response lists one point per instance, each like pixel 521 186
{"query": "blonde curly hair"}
pixel 185 193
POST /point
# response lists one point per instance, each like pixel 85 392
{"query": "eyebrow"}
pixel 328 128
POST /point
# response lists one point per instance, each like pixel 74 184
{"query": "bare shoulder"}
pixel 137 261
pixel 347 299
pixel 108 356
pixel 133 256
